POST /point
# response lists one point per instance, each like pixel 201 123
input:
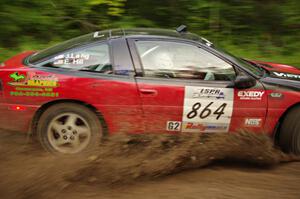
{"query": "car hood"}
pixel 281 71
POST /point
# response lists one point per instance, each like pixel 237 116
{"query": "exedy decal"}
pixel 250 95
pixel 286 75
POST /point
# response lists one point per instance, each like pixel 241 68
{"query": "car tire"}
pixel 69 128
pixel 289 135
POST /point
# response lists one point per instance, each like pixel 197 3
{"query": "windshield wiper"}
pixel 257 66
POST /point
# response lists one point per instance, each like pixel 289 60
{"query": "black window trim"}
pixel 177 81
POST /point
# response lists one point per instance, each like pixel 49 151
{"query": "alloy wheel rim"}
pixel 69 133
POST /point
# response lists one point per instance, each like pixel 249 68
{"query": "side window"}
pixel 179 60
pixel 93 58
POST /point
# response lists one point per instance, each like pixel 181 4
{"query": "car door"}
pixel 184 88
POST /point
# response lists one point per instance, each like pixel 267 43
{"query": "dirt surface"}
pixel 241 165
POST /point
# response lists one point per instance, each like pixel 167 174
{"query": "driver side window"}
pixel 167 59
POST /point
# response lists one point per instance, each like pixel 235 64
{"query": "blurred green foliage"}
pixel 264 30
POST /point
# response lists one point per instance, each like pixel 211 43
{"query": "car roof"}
pixel 149 32
pixel 116 33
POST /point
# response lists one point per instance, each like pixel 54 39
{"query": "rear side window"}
pixel 64 46
pixel 168 59
pixel 92 58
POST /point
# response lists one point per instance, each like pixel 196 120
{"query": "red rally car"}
pixel 145 81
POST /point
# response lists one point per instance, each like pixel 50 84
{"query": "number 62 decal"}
pixel 173 126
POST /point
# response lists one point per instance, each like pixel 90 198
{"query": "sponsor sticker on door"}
pixel 276 95
pixel 253 122
pixel 196 127
pixel 173 126
pixel 250 95
pixel 206 107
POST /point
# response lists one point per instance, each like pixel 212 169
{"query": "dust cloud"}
pixel 27 172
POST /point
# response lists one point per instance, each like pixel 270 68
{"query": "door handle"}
pixel 149 92
pixel 95 85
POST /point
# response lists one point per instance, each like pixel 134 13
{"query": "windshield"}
pixel 252 68
pixel 78 41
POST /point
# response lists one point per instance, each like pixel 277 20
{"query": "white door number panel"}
pixel 207 109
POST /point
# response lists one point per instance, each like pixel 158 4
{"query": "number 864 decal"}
pixel 206 111
pixel 206 107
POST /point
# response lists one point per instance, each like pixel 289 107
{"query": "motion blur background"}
pixel 258 29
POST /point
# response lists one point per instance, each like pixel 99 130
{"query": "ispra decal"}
pixel 32 84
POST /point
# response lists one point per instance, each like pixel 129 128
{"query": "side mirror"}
pixel 242 82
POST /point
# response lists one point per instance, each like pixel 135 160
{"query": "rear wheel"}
pixel 69 128
pixel 289 135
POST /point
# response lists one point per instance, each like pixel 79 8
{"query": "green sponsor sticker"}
pixel 16 77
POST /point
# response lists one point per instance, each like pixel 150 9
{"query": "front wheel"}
pixel 69 128
pixel 289 135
